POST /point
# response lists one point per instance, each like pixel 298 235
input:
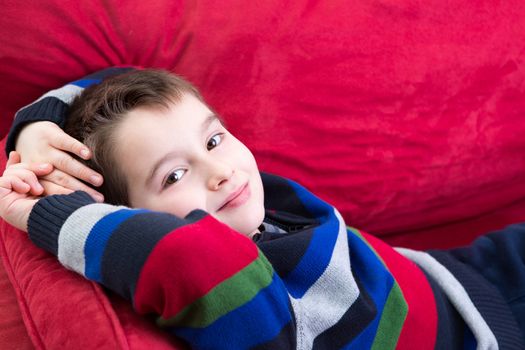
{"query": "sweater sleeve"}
pixel 52 106
pixel 207 283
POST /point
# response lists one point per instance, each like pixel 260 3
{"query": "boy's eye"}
pixel 214 141
pixel 174 177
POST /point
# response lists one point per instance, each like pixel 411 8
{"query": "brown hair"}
pixel 95 114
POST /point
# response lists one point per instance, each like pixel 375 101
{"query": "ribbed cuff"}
pixel 49 109
pixel 49 215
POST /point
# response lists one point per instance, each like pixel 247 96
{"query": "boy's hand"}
pixel 19 188
pixel 45 142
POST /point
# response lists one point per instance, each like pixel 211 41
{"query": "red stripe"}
pixel 187 263
pixel 420 328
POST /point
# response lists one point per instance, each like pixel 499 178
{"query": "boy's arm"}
pixel 37 135
pixel 209 284
pixel 52 106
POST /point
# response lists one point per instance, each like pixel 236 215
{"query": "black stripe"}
pixel 130 245
pixel 451 327
pixel 354 321
pixel 280 196
pixel 285 252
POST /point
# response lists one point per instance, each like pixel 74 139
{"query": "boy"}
pixel 229 258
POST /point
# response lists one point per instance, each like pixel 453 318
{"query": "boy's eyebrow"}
pixel 204 126
pixel 208 121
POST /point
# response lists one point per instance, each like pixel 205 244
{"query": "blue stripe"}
pixel 374 276
pixel 315 259
pixel 258 321
pixel 377 281
pixel 319 252
pixel 316 206
pixel 98 238
pixel 84 83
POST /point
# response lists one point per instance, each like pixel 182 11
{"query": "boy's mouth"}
pixel 237 197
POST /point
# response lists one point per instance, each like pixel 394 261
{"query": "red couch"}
pixel 409 116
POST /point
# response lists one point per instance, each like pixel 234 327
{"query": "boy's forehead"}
pixel 152 130
pixel 187 109
pixel 167 120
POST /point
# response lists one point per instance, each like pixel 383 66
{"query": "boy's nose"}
pixel 219 174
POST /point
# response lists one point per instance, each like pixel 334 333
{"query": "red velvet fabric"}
pixel 407 115
pixel 59 308
pixel 12 329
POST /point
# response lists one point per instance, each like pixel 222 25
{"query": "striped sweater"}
pixel 321 285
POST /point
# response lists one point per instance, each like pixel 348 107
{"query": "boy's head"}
pixel 160 147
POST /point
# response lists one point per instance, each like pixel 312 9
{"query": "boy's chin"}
pixel 253 233
pixel 248 231
pixel 247 225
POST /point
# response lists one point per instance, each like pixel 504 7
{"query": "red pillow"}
pixel 63 310
pixel 408 116
pixel 12 329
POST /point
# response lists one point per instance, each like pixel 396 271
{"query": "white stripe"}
pixel 75 231
pixel 329 297
pixel 457 295
pixel 65 94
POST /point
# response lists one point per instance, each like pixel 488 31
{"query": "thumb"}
pixel 14 158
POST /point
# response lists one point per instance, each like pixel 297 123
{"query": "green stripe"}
pixel 392 320
pixel 394 312
pixel 225 297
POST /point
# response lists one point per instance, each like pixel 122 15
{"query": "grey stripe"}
pixel 327 300
pixel 457 295
pixel 65 94
pixel 75 231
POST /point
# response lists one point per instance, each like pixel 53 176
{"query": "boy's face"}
pixel 182 159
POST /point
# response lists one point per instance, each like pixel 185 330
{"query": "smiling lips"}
pixel 237 198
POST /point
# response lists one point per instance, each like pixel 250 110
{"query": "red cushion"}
pixel 61 309
pixel 408 116
pixel 12 329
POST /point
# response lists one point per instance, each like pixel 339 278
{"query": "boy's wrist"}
pixel 19 218
pixel 25 214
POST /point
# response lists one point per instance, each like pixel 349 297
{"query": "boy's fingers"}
pixel 38 168
pixel 58 180
pixel 19 186
pixel 73 167
pixel 6 183
pixel 52 188
pixel 71 145
pixel 27 176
